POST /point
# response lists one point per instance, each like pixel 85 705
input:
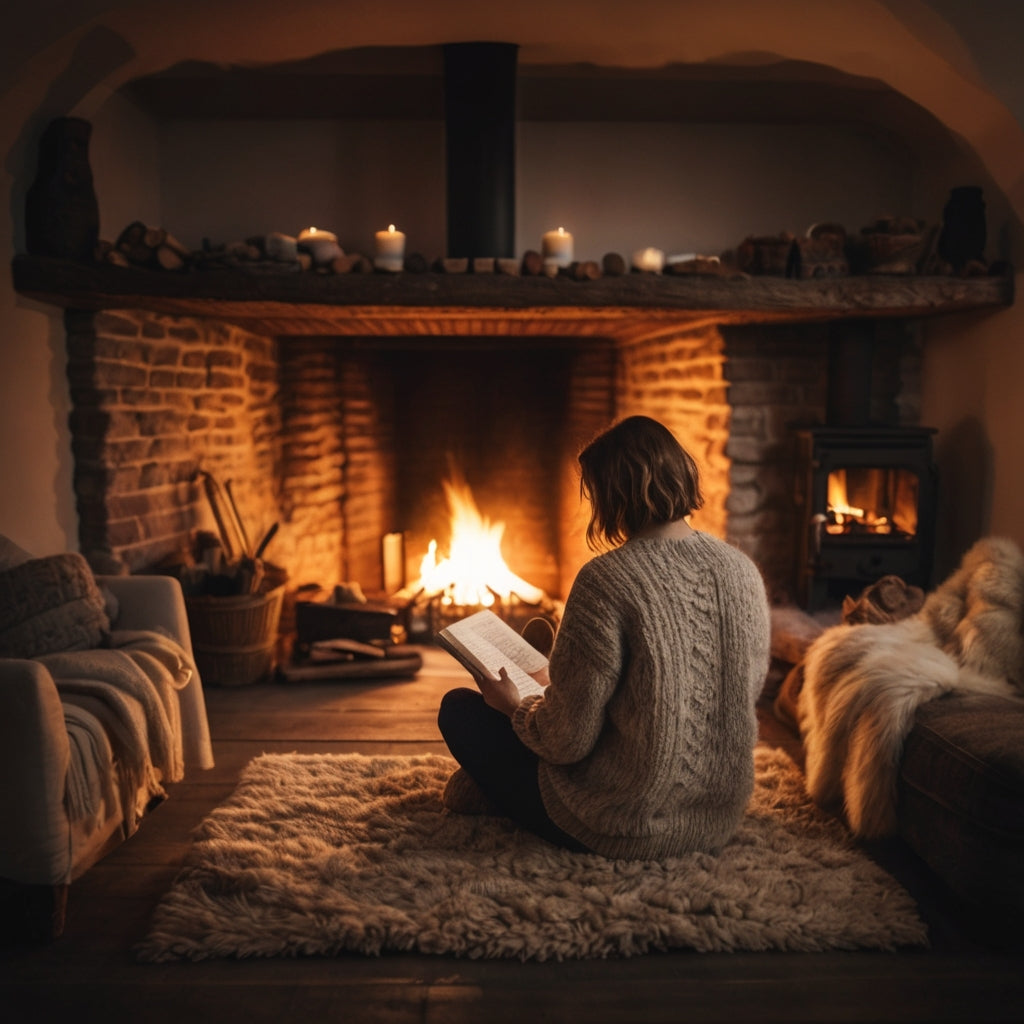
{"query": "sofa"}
pixel 101 707
pixel 948 745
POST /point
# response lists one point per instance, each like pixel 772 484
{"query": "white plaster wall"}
pixel 616 186
pixel 700 188
pixel 226 180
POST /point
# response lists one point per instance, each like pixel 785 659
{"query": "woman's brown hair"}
pixel 636 474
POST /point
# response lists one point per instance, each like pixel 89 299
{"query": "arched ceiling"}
pixel 727 58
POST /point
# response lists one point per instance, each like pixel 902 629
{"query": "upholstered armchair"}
pixel 100 707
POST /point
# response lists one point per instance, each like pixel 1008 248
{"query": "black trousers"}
pixel 484 743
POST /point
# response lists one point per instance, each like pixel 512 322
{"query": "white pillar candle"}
pixel 649 259
pixel 393 555
pixel 308 234
pixel 556 248
pixel 390 249
pixel 321 245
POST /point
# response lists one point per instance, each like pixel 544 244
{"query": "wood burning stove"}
pixel 866 501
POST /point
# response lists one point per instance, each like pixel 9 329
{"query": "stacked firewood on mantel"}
pixel 154 248
pixel 890 246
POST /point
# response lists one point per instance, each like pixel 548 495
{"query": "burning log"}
pixel 474 574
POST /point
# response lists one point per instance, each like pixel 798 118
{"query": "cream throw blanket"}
pixel 121 704
pixel 864 683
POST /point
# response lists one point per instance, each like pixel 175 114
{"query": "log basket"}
pixel 234 639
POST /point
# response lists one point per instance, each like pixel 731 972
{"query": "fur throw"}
pixel 863 683
pixel 886 600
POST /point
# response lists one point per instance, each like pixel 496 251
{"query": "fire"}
pixel 886 502
pixel 474 572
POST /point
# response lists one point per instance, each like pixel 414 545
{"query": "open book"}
pixel 483 643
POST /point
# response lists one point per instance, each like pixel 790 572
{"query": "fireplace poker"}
pixel 250 565
pixel 213 497
pixel 267 538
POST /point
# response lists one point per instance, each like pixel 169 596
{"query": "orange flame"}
pixel 474 573
pixel 844 515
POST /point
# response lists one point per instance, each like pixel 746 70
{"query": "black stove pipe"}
pixel 480 116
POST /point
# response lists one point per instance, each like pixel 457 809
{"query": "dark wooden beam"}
pixel 380 304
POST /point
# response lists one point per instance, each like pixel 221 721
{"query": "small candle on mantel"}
pixel 556 249
pixel 649 260
pixel 321 245
pixel 390 249
pixel 308 234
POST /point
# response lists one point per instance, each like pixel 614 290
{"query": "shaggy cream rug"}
pixel 320 854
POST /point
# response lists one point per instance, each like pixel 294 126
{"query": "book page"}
pixel 491 644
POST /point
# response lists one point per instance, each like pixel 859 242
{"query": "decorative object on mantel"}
pixel 390 249
pixel 770 255
pixel 702 266
pixel 147 247
pixel 964 232
pixel 892 245
pixel 613 265
pixel 822 252
pixel 321 245
pixel 648 260
pixel 322 854
pixel 62 216
pixel 557 250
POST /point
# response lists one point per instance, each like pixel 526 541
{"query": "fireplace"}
pixel 867 500
pixel 344 440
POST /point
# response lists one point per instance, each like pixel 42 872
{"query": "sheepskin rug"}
pixel 324 854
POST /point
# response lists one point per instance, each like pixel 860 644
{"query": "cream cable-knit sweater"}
pixel 646 733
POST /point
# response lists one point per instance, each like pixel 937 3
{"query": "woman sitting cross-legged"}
pixel 642 743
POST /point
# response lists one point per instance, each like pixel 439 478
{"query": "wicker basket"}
pixel 234 638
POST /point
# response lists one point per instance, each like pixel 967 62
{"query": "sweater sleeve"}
pixel 586 665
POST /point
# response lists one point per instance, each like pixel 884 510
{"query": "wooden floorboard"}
pixel 90 973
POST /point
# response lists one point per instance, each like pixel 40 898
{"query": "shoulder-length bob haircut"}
pixel 636 474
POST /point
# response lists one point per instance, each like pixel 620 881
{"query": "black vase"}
pixel 963 227
pixel 62 216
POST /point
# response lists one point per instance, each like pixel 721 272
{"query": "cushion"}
pixel 962 796
pixel 48 605
pixel 11 554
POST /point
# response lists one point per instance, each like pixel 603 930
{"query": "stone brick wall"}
pixel 312 470
pixel 678 379
pixel 307 431
pixel 156 400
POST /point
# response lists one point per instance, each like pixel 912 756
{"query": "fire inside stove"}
pixel 872 501
pixel 472 575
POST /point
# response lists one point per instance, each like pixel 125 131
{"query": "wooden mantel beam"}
pixel 408 304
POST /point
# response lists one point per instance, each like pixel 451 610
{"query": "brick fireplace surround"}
pixel 314 432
